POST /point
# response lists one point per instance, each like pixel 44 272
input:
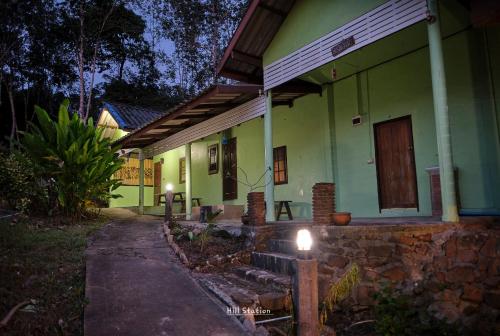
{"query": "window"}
pixel 182 170
pixel 280 166
pixel 213 159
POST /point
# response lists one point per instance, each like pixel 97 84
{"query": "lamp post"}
pixel 305 287
pixel 169 196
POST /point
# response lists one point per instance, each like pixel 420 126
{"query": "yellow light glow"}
pixel 304 240
pixel 169 187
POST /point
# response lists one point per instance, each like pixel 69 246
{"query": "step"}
pixel 282 246
pixel 273 261
pixel 234 291
pixel 259 275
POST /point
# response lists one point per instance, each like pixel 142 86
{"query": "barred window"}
pixel 182 170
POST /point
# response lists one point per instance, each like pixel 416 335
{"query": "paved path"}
pixel 136 286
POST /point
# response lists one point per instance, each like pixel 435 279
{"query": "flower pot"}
pixel 340 218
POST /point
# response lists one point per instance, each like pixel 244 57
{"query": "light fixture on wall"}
pixel 357 120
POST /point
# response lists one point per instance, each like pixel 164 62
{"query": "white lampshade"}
pixel 304 240
pixel 170 187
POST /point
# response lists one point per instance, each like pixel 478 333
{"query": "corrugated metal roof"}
pixel 131 117
pixel 242 59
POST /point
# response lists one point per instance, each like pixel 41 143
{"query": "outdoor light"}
pixel 304 243
pixel 169 187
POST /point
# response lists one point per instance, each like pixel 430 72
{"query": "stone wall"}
pixel 452 270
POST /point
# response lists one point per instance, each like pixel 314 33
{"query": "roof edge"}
pixel 241 27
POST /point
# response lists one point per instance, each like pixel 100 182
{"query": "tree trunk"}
pixel 120 70
pixel 94 62
pixel 13 130
pixel 81 107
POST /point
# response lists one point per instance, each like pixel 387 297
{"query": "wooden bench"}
pixel 178 197
pixel 280 209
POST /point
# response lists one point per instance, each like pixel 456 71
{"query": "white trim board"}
pixel 245 112
pixel 380 22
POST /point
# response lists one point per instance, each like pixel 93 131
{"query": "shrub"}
pixel 75 156
pixel 20 188
pixel 396 316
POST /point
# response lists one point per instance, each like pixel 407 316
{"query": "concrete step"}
pixel 234 291
pixel 273 261
pixel 282 246
pixel 277 281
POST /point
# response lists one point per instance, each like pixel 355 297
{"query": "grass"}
pixel 46 265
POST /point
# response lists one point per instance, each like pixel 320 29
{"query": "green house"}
pixel 393 101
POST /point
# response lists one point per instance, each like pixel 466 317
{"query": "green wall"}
pixel 311 19
pixel 131 197
pixel 302 128
pixel 403 87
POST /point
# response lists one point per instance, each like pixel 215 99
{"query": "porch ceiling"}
pixel 242 59
pixel 213 101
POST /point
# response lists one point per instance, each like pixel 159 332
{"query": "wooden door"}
pixel 397 180
pixel 157 182
pixel 229 171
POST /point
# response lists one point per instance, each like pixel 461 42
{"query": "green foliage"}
pixel 395 316
pixel 47 264
pixel 205 235
pixel 75 156
pixel 19 187
pixel 339 291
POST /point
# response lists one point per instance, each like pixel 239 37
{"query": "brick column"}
pixel 256 208
pixel 323 202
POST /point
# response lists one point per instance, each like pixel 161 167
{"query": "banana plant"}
pixel 75 157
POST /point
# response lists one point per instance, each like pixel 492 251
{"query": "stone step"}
pixel 277 281
pixel 234 291
pixel 282 246
pixel 273 261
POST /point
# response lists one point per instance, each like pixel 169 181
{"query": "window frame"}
pixel 276 152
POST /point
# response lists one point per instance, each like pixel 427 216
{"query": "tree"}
pixel 74 155
pixel 200 31
pixel 105 34
pixel 34 60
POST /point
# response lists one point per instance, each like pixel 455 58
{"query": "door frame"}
pixel 224 146
pixel 413 165
pixel 156 198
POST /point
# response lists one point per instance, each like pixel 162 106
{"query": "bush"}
pixel 395 316
pixel 75 157
pixel 20 188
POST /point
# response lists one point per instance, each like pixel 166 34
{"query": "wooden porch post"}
pixel 141 182
pixel 189 196
pixel 446 169
pixel 268 159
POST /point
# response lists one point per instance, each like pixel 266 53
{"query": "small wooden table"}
pixel 287 208
pixel 179 197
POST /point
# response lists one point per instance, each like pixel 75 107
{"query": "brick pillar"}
pixel 323 202
pixel 256 208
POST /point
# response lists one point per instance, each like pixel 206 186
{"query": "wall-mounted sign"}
pixel 343 45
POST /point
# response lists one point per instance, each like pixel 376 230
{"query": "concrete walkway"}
pixel 136 286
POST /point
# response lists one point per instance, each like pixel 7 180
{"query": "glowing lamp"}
pixel 169 187
pixel 304 240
